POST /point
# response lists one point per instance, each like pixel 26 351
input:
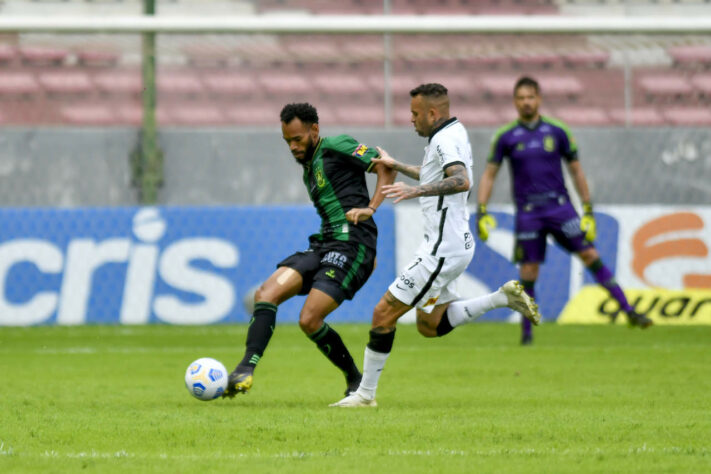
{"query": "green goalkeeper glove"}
pixel 485 222
pixel 587 222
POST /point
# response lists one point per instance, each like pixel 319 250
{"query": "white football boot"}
pixel 355 400
pixel 521 302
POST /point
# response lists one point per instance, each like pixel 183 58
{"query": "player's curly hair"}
pixel 431 89
pixel 526 81
pixel 303 111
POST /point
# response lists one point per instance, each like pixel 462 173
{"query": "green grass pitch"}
pixel 582 399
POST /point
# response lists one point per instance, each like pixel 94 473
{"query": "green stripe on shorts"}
pixel 354 268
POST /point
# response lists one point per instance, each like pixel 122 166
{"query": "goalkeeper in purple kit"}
pixel 535 146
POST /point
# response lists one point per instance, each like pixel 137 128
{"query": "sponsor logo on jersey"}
pixel 521 146
pixel 331 273
pixel 360 150
pixel 319 179
pixel 431 301
pixel 548 143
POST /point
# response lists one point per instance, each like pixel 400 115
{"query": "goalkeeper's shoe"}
pixel 353 386
pixel 520 301
pixel 355 400
pixel 239 381
pixel 637 319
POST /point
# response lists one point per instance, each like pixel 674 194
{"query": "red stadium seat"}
pixel 178 83
pixel 537 60
pixel 227 82
pixel 42 56
pixel 402 115
pixel 702 83
pixel 97 58
pixel 312 49
pixel 120 82
pixel 362 48
pixel 341 83
pixel 254 113
pixel 18 83
pixel 7 54
pixel 132 114
pixel 560 85
pixel 400 84
pixel 691 55
pixel 474 116
pixel 586 59
pixel 192 114
pixel 688 116
pixel 66 82
pixel 500 85
pixel 664 85
pixel 458 84
pixel 371 115
pixel 87 114
pixel 637 116
pixel 580 115
pixel 284 82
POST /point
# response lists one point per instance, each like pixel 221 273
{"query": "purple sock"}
pixel 604 277
pixel 526 326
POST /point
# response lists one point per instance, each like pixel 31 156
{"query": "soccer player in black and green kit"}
pixel 340 258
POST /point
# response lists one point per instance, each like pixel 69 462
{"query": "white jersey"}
pixel 446 218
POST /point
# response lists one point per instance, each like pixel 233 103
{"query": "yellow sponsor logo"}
pixel 548 143
pixel 319 179
pixel 360 150
pixel 593 305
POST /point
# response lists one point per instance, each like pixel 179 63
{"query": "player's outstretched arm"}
pixel 410 171
pixel 457 181
pixel 386 175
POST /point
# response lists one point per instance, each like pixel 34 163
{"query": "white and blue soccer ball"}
pixel 206 379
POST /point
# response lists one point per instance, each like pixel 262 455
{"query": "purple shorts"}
pixel 532 227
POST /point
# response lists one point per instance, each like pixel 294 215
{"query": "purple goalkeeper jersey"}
pixel 535 154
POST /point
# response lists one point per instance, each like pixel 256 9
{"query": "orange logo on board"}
pixel 649 246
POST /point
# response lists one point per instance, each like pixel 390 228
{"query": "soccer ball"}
pixel 206 379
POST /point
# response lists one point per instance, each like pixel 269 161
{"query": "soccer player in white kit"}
pixel 427 282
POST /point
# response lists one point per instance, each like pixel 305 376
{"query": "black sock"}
pixel 444 326
pixel 381 341
pixel 261 328
pixel 332 346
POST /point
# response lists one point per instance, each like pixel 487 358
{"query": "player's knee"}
pixel 589 255
pixel 309 323
pixel 267 294
pixel 425 329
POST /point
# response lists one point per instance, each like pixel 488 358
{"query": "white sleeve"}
pixel 447 152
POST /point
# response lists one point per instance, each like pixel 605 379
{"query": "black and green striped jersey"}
pixel 335 181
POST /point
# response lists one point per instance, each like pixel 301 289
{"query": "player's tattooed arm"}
pixel 411 171
pixel 456 181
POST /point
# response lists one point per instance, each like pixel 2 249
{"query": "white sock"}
pixel 466 311
pixel 373 363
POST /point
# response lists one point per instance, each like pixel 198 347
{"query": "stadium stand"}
pixel 49 79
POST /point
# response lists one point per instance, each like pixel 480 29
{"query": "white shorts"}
pixel 428 281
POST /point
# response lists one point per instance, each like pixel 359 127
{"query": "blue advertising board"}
pixel 174 265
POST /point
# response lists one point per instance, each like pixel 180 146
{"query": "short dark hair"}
pixel 526 81
pixel 431 89
pixel 303 111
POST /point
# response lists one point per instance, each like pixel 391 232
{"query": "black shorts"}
pixel 339 269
